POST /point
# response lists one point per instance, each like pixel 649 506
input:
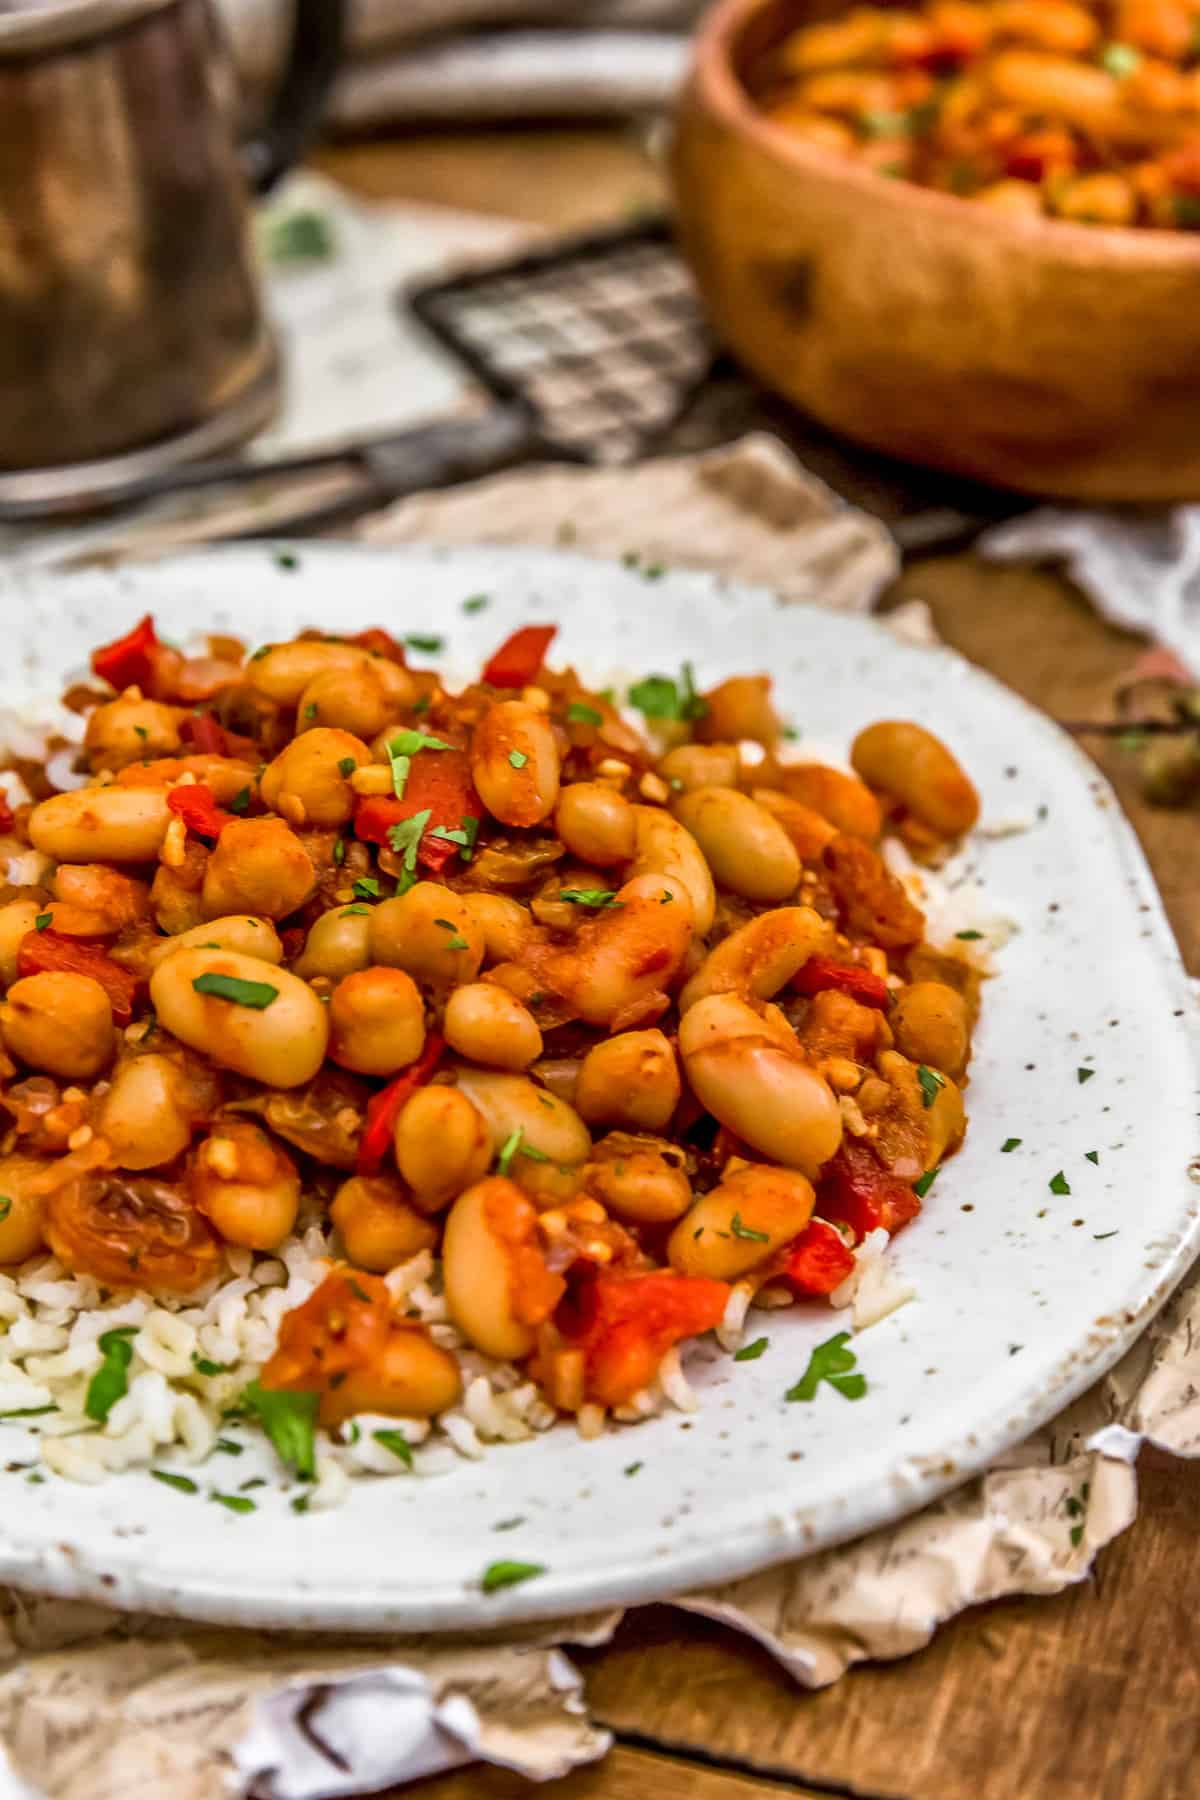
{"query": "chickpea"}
pixel 486 1225
pixel 714 1238
pixel 515 763
pixel 337 944
pixel 512 1103
pixel 283 671
pixel 126 731
pixel 845 801
pixel 379 1226
pixel 642 1179
pixel 931 1026
pixel 486 1024
pixel 430 932
pixel 1019 199
pixel 61 1023
pixel 1100 199
pixel 908 762
pixel 282 1044
pixel 111 824
pixel 739 708
pixel 747 850
pixel 353 700
pixel 112 899
pixel 691 766
pixel 259 866
pixel 247 1185
pixel 757 1085
pixel 239 932
pixel 411 1378
pixel 665 847
pixel 596 823
pixel 759 958
pixel 631 1080
pixel 376 1021
pixel 145 1116
pixel 504 922
pixel 1047 24
pixel 23 1203
pixel 17 920
pixel 310 777
pixel 807 829
pixel 443 1146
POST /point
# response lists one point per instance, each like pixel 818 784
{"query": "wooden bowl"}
pixel 1059 359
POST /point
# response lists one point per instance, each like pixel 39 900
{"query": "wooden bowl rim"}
pixel 714 76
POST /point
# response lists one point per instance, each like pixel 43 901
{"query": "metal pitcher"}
pixel 132 336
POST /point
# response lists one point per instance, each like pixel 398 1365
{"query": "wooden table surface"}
pixel 1092 1695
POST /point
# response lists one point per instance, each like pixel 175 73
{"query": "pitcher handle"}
pixel 318 33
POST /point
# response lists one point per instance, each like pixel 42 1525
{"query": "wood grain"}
pixel 626 1774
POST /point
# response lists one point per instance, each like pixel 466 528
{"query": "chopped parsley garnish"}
pixel 517 759
pixel 27 1412
pixel 508 1151
pixel 1076 1535
pixel 6 1206
pixel 347 766
pixel 42 921
pixel 417 640
pixel 750 1352
pixel 743 1231
pixel 508 1574
pixel 1082 1075
pixel 287 560
pixel 420 706
pixel 310 712
pixel 969 937
pixel 464 835
pixel 237 1503
pixel 579 714
pixel 658 697
pixel 256 994
pixel 931 1085
pixel 926 1181
pixel 255 1481
pixel 831 1362
pixel 1010 1144
pixel 509 1524
pixel 475 603
pixel 290 1421
pixel 402 748
pixel 1101 1235
pixel 241 800
pixel 395 1441
pixel 633 1467
pixel 534 1154
pixel 339 852
pixel 301 1503
pixel 1092 1156
pixel 203 1365
pixel 355 912
pixel 590 896
pixel 228 1447
pixel 366 888
pixel 1059 1184
pixel 141 731
pixel 1120 60
pixel 405 839
pixel 184 1483
pixel 111 1380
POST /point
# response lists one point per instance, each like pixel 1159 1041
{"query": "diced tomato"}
pixel 7 820
pixel 196 805
pixel 856 1188
pixel 40 952
pixel 381 643
pixel 130 659
pixel 338 1329
pixel 385 1107
pixel 625 1324
pixel 208 738
pixel 821 972
pixel 519 657
pixel 818 1261
pixel 438 781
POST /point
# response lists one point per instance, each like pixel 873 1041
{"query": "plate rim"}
pixel 64 1572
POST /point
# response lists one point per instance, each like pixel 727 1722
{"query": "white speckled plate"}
pixel 1024 1296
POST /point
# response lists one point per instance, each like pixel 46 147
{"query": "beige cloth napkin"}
pixel 93 1703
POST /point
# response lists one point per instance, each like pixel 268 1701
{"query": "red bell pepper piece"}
pixel 519 657
pixel 818 1261
pixel 7 819
pixel 130 659
pixel 208 738
pixel 42 952
pixel 856 1188
pixel 196 805
pixel 385 1107
pixel 439 781
pixel 382 643
pixel 625 1324
pixel 821 972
